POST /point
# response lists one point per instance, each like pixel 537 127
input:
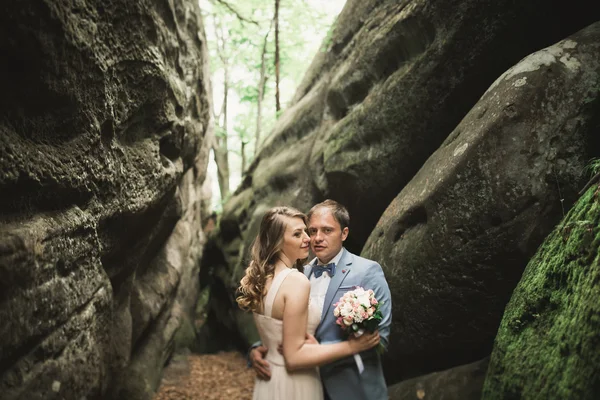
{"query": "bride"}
pixel 278 295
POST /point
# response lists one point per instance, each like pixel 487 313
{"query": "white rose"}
pixel 364 300
pixel 347 309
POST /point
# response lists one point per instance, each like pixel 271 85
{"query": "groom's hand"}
pixel 260 365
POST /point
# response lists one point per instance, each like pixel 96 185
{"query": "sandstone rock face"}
pixel 547 345
pixel 103 149
pixel 464 382
pixel 393 82
pixel 454 242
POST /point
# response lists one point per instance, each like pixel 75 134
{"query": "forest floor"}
pixel 207 377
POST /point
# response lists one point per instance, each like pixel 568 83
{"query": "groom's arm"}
pixel 374 279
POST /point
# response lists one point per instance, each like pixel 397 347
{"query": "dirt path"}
pixel 207 377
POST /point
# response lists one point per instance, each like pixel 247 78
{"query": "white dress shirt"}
pixel 318 286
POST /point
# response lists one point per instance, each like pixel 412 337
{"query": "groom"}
pixel 332 273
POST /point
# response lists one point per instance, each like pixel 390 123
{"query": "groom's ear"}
pixel 345 232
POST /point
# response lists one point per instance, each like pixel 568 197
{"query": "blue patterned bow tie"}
pixel 319 269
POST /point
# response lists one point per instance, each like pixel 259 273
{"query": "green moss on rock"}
pixel 548 344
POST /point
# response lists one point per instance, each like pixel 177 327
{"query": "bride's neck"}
pixel 283 263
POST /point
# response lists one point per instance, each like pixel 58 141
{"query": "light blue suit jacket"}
pixel 341 379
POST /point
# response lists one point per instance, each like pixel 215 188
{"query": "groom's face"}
pixel 326 235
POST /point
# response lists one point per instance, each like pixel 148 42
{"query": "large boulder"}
pixel 104 111
pixel 392 81
pixel 454 243
pixel 464 382
pixel 547 346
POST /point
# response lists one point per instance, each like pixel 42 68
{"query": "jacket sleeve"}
pixel 255 345
pixel 374 279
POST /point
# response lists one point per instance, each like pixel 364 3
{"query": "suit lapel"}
pixel 341 271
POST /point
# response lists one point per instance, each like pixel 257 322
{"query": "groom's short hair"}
pixel 339 212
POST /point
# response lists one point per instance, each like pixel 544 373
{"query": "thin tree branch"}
pixel 237 14
pixel 594 179
pixel 276 18
pixel 261 86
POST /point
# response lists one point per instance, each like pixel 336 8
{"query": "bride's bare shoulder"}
pixel 297 281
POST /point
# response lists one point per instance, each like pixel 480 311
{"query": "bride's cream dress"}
pixel 298 385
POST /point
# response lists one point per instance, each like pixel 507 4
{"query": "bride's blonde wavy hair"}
pixel 265 251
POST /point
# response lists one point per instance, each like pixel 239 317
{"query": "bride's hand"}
pixel 365 342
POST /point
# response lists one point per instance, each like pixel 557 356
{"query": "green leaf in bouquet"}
pixel 371 324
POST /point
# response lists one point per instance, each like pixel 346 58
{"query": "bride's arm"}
pixel 296 352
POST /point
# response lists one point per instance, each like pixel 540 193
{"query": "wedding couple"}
pixel 304 354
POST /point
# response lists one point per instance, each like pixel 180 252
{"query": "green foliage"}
pixel 328 38
pixel 248 93
pixel 594 166
pixel 220 132
pixel 236 31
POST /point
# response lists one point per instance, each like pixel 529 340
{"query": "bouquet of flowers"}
pixel 358 311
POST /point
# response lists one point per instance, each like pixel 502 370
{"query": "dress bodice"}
pixel 271 329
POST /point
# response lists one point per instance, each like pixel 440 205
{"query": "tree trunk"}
pixel 243 156
pixel 220 146
pixel 261 88
pixel 277 103
pixel 220 143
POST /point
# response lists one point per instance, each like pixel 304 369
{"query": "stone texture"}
pixel 405 79
pixel 104 117
pixel 393 81
pixel 464 382
pixel 548 344
pixel 453 244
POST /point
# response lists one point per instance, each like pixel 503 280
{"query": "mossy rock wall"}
pixel 548 344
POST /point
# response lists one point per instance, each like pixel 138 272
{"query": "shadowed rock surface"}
pixel 458 383
pixel 103 125
pixel 455 241
pixel 395 79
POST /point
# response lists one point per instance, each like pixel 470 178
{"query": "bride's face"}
pixel 296 241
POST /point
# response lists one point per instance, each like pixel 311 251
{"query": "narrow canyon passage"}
pixel 462 136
